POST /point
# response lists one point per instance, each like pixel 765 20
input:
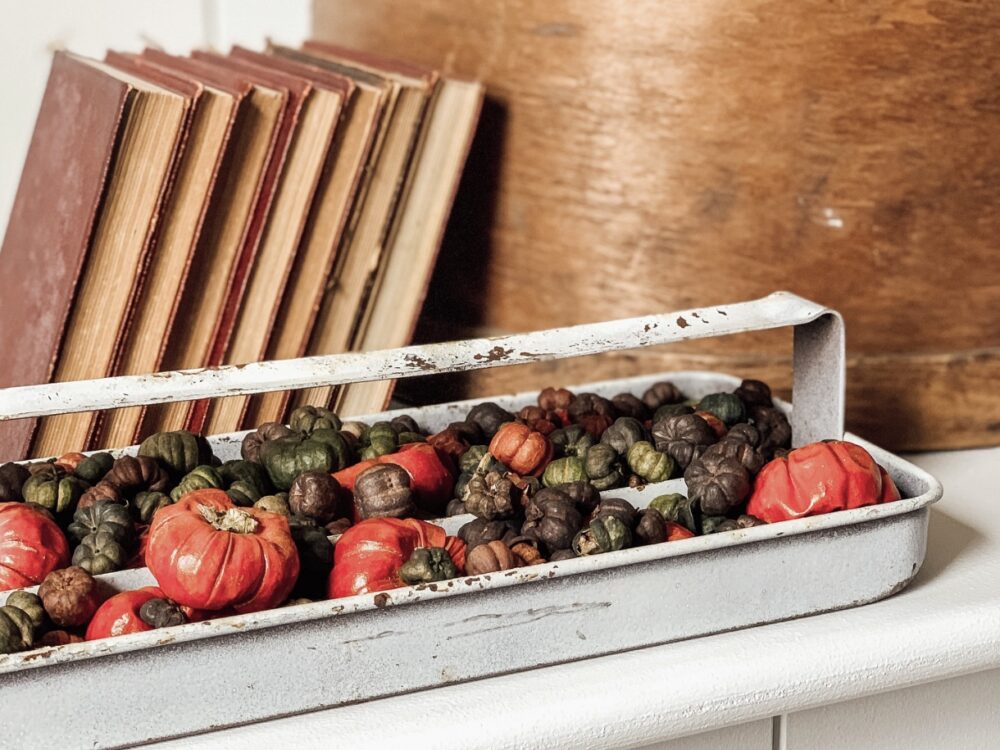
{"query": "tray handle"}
pixel 817 381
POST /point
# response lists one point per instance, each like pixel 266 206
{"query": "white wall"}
pixel 29 31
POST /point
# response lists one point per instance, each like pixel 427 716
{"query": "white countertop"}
pixel 945 624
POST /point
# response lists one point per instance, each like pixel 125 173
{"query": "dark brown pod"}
pixel 250 449
pixel 650 528
pixel 58 638
pixel 479 531
pixel 383 491
pixel 161 613
pixel 775 431
pixel 754 393
pixel 539 419
pixel 70 596
pixel 719 484
pixel 450 442
pixel 133 473
pixel 744 432
pixel 683 437
pixel 455 507
pixel 492 495
pixel 562 554
pixel 338 527
pixel 590 403
pixel 623 510
pixel 749 457
pixel 489 416
pixel 553 521
pixel 628 405
pixel 660 394
pixel 468 431
pixel 12 478
pixel 746 521
pixel 103 491
pixel 315 494
pixel 404 423
pixel 490 557
pixel 595 424
pixel 584 494
pixel 553 399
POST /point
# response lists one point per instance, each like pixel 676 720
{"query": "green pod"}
pixel 53 490
pixel 623 434
pixel 180 451
pixel 199 478
pixel 146 504
pixel 308 419
pixel 563 470
pixel 677 508
pixel 471 458
pixel 726 406
pixel 410 437
pixel 93 468
pixel 275 504
pixel 381 441
pixel 573 440
pixel 715 524
pixel 343 454
pixel 426 565
pixel 20 618
pixel 103 515
pixel 649 463
pixel 287 457
pixel 604 534
pixel 99 553
pixel 603 466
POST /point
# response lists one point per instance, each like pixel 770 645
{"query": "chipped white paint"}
pixel 240 669
pixel 832 218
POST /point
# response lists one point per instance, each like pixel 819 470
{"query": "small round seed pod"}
pixel 315 494
pixel 70 596
pixel 383 491
pixel 490 558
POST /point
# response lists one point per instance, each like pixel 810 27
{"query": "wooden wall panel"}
pixel 642 156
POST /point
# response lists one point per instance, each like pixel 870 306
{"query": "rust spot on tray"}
pixel 496 354
pixel 418 362
pixel 682 323
pixel 382 600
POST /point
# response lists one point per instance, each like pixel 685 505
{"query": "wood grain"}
pixel 643 156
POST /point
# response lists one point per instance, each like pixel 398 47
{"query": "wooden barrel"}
pixel 642 156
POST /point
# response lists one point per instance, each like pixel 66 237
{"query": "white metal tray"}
pixel 199 676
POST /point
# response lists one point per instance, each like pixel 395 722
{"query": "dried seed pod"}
pixel 358 429
pixel 605 534
pixel 275 504
pixel 562 554
pixel 749 457
pixel 58 638
pixel 100 552
pixel 623 510
pixel 717 425
pixel 383 491
pixel 490 558
pixel 250 448
pixel 659 394
pixel 649 463
pixel 489 417
pixel 552 399
pixel 552 520
pixel 404 423
pixel 473 457
pixel 726 406
pixel 744 432
pixel 677 508
pixel 339 526
pixel 469 432
pixel 564 470
pixel 427 565
pixel 161 613
pixel 491 496
pixel 93 468
pixel 683 437
pixel 539 419
pixel 584 494
pixel 70 596
pixel 315 494
pixel 629 405
pixel 747 521
pixel 522 449
pixel 131 474
pixel 20 618
pixel 449 441
pixel 455 507
pixel 718 484
pixel 774 429
pixel 199 478
pixel 650 528
pixel 310 418
pixel 595 424
pixel 603 466
pixel 671 410
pixel 586 404
pixel 623 434
pixel 12 478
pixel 480 531
pixel 573 440
pixel 754 393
pixel 528 553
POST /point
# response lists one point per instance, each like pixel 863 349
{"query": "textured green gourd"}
pixel 677 508
pixel 20 618
pixel 623 433
pixel 726 406
pixel 180 451
pixel 563 470
pixel 603 466
pixel 287 457
pixel 199 478
pixel 104 515
pixel 604 534
pixel 649 463
pixel 99 553
pixel 93 468
pixel 54 490
pixel 146 504
pixel 308 419
pixel 426 565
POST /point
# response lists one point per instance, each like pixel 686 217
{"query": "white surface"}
pixel 946 624
pixel 957 714
pixel 29 31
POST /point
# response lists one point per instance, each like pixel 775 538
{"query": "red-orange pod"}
pixel 523 450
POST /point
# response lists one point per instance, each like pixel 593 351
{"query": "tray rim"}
pixel 75 653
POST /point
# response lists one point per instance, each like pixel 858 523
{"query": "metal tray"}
pixel 296 659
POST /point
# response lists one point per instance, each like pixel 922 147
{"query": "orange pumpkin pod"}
pixel 31 546
pixel 521 449
pixel 69 461
pixel 209 554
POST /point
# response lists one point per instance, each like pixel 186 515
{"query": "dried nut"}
pixel 630 406
pixel 754 393
pixel 552 399
pixel 717 483
pixel 490 558
pixel 488 417
pixel 661 394
pixel 383 491
pixel 70 596
pixel 528 553
pixel 162 613
pixel 315 494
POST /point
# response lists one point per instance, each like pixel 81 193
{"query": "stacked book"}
pixel 183 212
